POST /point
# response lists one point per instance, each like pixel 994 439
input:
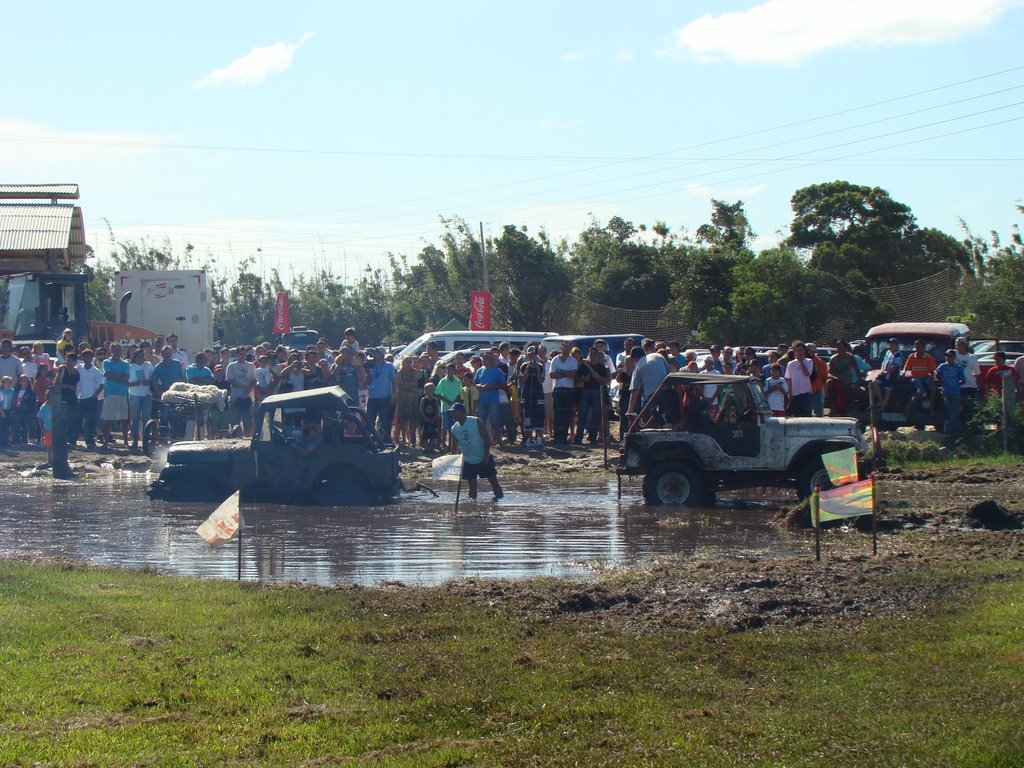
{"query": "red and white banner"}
pixel 480 311
pixel 282 319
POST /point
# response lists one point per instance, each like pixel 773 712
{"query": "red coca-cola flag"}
pixel 282 318
pixel 480 311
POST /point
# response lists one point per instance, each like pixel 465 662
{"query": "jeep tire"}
pixel 673 483
pixel 812 475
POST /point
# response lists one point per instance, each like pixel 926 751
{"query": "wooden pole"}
pixel 240 526
pixel 604 421
pixel 59 437
pixel 458 492
pixel 874 514
pixel 817 524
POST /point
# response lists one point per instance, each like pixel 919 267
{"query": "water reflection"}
pixel 537 529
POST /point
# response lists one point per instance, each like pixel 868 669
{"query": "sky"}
pixel 310 135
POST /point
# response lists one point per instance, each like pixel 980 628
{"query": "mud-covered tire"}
pixel 150 436
pixel 673 484
pixel 343 493
pixel 812 475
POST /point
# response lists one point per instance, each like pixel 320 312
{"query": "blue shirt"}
pixel 45 415
pixel 167 374
pixel 197 372
pixel 951 378
pixel 489 376
pixel 893 358
pixel 381 379
pixel 471 443
pixel 120 367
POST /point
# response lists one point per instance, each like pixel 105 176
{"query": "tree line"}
pixel 844 241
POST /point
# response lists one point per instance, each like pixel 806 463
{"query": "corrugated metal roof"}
pixel 38 191
pixel 39 227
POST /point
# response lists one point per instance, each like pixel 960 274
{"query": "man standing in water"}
pixel 475 443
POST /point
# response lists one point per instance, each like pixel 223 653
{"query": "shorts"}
pixel 490 415
pixel 549 406
pixel 115 408
pixel 485 469
pixel 922 385
pixel 47 438
pixel 241 408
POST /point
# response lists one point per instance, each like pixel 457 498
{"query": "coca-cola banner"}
pixel 282 320
pixel 480 311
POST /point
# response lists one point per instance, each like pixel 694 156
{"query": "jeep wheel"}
pixel 812 475
pixel 673 484
pixel 150 437
pixel 343 493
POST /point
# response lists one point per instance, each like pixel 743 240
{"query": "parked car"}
pixel 744 446
pixel 351 466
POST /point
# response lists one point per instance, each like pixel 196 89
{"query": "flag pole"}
pixel 240 526
pixel 874 515
pixel 817 524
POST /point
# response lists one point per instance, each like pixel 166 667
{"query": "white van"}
pixel 450 341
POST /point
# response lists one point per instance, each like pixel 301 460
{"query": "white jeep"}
pixel 729 439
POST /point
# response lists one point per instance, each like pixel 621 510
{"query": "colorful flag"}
pixel 282 314
pixel 841 466
pixel 448 467
pixel 480 310
pixel 223 523
pixel 850 500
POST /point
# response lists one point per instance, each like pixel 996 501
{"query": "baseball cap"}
pixel 715 348
pixel 951 352
pixel 531 350
pixel 894 340
pixel 458 407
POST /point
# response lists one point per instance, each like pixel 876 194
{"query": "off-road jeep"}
pixel 733 444
pixel 349 466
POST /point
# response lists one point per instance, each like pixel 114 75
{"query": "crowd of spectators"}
pixel 529 396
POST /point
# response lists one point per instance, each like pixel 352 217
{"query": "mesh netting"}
pixel 930 299
pixel 575 315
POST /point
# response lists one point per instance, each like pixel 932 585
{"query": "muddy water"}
pixel 537 529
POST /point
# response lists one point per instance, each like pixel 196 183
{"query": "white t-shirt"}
pixel 798 376
pixel 89 381
pixel 971 369
pixel 548 385
pixel 569 364
pixel 140 372
pixel 775 393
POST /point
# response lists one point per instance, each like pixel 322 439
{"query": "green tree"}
pixel 528 273
pixel 610 266
pixel 729 226
pixel 847 227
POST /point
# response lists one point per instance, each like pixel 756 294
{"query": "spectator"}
pixel 140 394
pixel 920 366
pixel 407 400
pixel 241 375
pixel 775 389
pixel 531 397
pixel 562 371
pixel 490 382
pixel 798 381
pixel 429 417
pixel 448 391
pixel 475 443
pixel 382 380
pixel 951 378
pixel 593 375
pixel 90 386
pixel 818 380
pixel 999 373
pixel 969 392
pixel 892 369
pixel 115 396
pixel 843 373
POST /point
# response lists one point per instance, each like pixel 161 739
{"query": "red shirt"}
pixel 996 374
pixel 920 367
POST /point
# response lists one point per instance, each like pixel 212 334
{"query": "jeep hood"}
pixel 821 427
pixel 206 451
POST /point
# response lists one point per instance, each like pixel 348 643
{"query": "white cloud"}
pixel 255 66
pixel 623 57
pixel 788 31
pixel 32 153
pixel 573 56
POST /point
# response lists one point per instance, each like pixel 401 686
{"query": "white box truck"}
pixel 167 301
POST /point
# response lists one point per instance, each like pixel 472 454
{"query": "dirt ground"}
pixel 928 517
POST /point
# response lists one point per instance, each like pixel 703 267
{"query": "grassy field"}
pixel 111 667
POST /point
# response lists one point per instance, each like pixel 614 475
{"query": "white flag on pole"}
pixel 448 467
pixel 223 523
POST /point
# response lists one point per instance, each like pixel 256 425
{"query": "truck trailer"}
pixel 170 301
